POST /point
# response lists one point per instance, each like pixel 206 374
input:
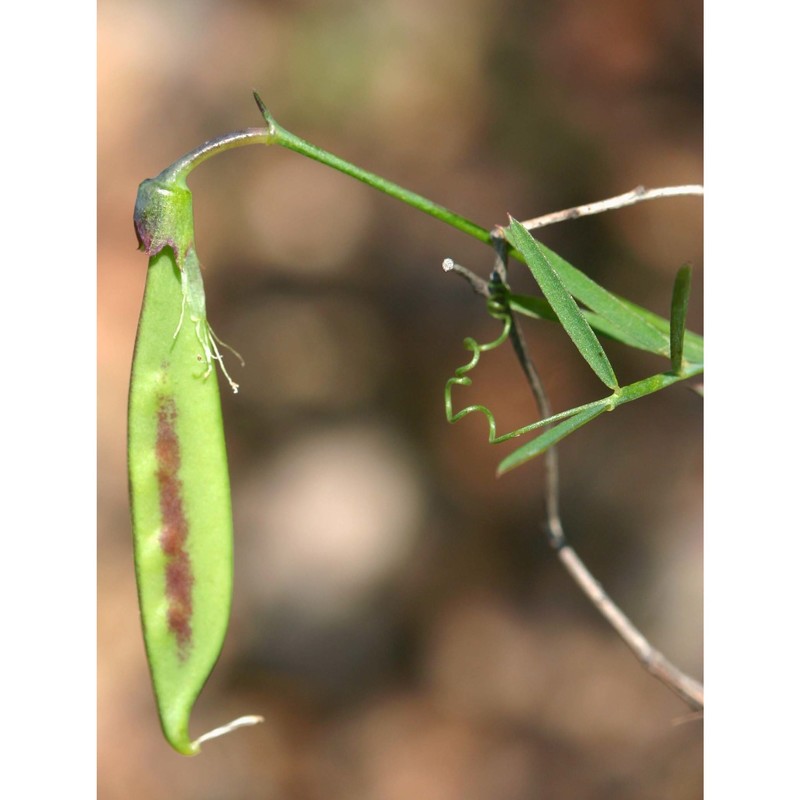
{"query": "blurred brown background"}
pixel 398 618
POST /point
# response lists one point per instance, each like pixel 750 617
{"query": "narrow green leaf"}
pixel 576 417
pixel 677 318
pixel 555 434
pixel 637 327
pixel 602 301
pixel 539 308
pixel 562 303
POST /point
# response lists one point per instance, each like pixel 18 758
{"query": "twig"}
pixel 688 689
pixel 637 195
pixel 685 687
pixel 479 285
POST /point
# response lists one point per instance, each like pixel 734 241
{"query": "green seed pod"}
pixel 178 472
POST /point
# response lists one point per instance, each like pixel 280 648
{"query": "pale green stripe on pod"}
pixel 180 502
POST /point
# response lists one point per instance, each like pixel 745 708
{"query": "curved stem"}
pixel 185 164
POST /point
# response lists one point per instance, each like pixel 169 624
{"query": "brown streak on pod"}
pixel 175 528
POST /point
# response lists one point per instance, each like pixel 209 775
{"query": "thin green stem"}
pixel 292 142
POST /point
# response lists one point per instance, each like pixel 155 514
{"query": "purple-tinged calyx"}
pixel 163 217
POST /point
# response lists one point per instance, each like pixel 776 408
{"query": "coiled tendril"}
pixel 497 305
